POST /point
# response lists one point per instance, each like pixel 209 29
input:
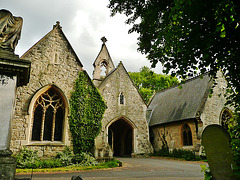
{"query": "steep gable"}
pixel 50 44
pixel 116 76
pixel 53 61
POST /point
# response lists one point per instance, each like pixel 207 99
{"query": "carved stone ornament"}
pixel 10 30
pixel 4 80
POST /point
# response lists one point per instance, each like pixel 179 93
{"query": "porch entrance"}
pixel 120 138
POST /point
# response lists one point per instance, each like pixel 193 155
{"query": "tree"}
pixel 147 82
pixel 187 36
pixel 87 108
pixel 190 36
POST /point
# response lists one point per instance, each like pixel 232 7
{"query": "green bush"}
pixel 163 153
pixel 84 159
pixel 49 163
pixel 111 164
pixel 185 154
pixel 26 158
pixel 207 173
pixel 180 153
pixel 65 157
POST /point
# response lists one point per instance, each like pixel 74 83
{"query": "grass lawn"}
pixel 68 168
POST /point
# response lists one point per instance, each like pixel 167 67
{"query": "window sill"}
pixel 188 147
pixel 45 143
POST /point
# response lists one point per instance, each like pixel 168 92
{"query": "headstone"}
pixel 76 178
pixel 217 146
pixel 13 72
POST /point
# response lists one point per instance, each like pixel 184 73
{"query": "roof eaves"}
pixel 163 123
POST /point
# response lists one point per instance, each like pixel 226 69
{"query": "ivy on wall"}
pixel 87 108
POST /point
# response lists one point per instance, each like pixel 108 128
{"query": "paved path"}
pixel 135 168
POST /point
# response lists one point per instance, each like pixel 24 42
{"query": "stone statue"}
pixel 10 30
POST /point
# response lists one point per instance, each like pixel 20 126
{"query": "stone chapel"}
pixel 42 107
pixel 124 126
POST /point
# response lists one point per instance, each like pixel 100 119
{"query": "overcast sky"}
pixel 83 22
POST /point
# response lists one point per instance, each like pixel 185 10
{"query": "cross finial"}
pixel 104 40
pixel 57 25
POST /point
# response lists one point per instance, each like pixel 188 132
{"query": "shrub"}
pixel 111 164
pixel 65 157
pixel 163 153
pixel 189 156
pixel 84 159
pixel 180 153
pixel 49 163
pixel 207 173
pixel 26 158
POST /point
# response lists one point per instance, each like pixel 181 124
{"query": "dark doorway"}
pixel 120 138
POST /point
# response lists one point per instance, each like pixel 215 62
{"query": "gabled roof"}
pixel 175 104
pixel 108 77
pixel 57 26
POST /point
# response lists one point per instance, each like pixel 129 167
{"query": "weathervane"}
pixel 104 40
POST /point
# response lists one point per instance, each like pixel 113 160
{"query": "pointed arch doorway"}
pixel 121 137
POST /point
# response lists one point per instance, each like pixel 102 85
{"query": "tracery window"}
pixel 187 135
pixel 121 98
pixel 226 116
pixel 48 117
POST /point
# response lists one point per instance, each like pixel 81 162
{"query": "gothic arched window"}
pixel 225 117
pixel 48 117
pixel 187 135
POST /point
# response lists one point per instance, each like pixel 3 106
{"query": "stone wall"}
pixel 215 103
pixel 53 63
pixel 173 133
pixel 133 110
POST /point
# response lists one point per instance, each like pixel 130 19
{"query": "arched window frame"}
pixel 186 133
pixel 65 138
pixel 104 68
pixel 121 99
pixel 55 58
pixel 226 115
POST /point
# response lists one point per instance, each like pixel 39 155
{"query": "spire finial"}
pixel 57 25
pixel 104 40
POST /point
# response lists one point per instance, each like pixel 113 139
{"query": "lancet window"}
pixel 187 135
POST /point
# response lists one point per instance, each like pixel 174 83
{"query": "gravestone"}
pixel 13 72
pixel 217 146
